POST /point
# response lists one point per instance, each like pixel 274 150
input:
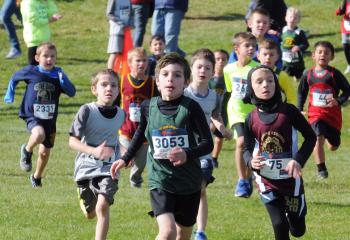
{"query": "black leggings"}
pixel 346 47
pixel 284 222
pixel 31 56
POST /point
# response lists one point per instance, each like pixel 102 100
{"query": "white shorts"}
pixel 116 38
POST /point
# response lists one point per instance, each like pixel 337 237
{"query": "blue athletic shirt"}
pixel 41 96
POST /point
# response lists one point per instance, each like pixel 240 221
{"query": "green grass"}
pixel 53 211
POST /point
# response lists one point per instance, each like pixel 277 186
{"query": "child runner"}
pixel 217 83
pixel 94 135
pixel 135 88
pixel 269 53
pixel 277 172
pixel 36 16
pixel 157 48
pixel 294 44
pixel 119 14
pixel 323 84
pixel 235 74
pixel 170 123
pixel 259 23
pixel 203 62
pixel 39 108
pixel 344 9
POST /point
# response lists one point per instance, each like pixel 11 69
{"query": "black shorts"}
pixel 218 134
pixel 49 129
pixel 294 71
pixel 330 133
pixel 184 207
pixel 239 129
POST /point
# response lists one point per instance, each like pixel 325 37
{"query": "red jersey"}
pixel 345 23
pixel 131 98
pixel 321 88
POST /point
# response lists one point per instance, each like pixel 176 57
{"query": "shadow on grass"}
pixel 81 60
pixel 24 174
pixel 76 104
pixel 321 35
pixel 331 204
pixel 227 17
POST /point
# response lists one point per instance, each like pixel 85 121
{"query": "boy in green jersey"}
pixel 171 124
pixel 235 74
pixel 294 44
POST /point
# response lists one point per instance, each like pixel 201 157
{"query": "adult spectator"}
pixel 276 8
pixel 9 7
pixel 166 22
pixel 143 9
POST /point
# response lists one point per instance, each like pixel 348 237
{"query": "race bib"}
pixel 134 112
pixel 347 25
pixel 319 99
pixel 165 140
pixel 239 88
pixel 97 162
pixel 288 56
pixel 44 111
pixel 274 168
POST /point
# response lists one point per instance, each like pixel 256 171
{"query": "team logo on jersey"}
pixel 44 91
pixel 272 142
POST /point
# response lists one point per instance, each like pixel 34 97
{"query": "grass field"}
pixel 52 212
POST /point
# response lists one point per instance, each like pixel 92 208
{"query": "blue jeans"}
pixel 167 23
pixel 141 13
pixel 9 8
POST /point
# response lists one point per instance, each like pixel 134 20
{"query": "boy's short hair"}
pixel 138 51
pixel 46 45
pixel 295 11
pixel 260 11
pixel 203 53
pixel 269 44
pixel 96 76
pixel 325 44
pixel 174 58
pixel 157 38
pixel 240 37
pixel 223 52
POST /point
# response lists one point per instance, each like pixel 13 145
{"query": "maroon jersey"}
pixel 275 144
pixel 131 98
pixel 322 87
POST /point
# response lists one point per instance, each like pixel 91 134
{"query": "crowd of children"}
pixel 166 112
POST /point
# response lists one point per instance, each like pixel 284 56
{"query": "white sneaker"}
pixel 13 53
pixel 347 70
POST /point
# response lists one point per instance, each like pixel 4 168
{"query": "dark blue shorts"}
pixel 49 129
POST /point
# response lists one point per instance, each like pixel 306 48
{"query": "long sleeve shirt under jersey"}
pixel 197 121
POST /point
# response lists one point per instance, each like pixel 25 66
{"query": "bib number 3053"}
pixel 164 141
